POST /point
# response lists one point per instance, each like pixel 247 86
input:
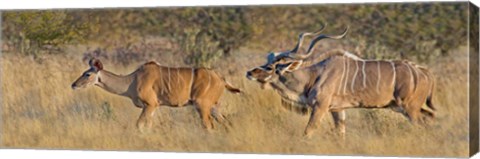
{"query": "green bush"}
pixel 205 34
pixel 31 32
pixel 416 31
pixel 202 50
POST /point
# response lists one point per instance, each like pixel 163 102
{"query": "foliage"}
pixel 206 33
pixel 202 49
pixel 32 31
pixel 407 30
pixel 416 31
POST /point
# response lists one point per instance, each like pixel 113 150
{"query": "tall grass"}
pixel 40 110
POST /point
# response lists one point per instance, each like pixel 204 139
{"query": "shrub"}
pixel 33 31
pixel 419 31
pixel 205 34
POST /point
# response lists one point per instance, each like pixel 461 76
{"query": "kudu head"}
pixel 279 63
pixel 90 76
pixel 263 74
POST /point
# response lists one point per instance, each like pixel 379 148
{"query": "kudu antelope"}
pixel 153 85
pixel 339 80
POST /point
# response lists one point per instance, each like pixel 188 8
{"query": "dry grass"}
pixel 39 110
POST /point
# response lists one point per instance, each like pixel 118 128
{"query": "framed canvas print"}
pixel 360 79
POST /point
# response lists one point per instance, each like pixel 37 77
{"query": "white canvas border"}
pixel 74 154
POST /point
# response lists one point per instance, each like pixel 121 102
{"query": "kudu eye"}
pixel 87 74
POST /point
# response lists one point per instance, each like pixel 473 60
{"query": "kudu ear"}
pixel 96 64
pixel 271 57
pixel 290 67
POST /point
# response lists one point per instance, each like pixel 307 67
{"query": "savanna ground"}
pixel 41 111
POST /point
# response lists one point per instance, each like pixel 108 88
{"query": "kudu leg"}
pixel 150 103
pixel 221 119
pixel 145 119
pixel 413 113
pixel 319 110
pixel 427 113
pixel 204 111
pixel 339 120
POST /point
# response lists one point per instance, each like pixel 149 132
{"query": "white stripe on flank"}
pixel 346 81
pixel 353 56
pixel 421 72
pixel 425 76
pixel 414 70
pixel 209 79
pixel 169 80
pixel 364 75
pixel 179 77
pixel 354 76
pixel 416 73
pixel 162 76
pixel 394 73
pixel 343 75
pixel 191 79
pixel 411 73
pixel 379 76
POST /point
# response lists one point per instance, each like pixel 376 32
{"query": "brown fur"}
pixel 341 81
pixel 338 80
pixel 412 94
pixel 153 85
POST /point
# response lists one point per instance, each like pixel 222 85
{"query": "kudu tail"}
pixel 431 78
pixel 430 100
pixel 430 105
pixel 430 96
pixel 231 88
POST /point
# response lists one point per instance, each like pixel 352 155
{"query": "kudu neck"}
pixel 293 81
pixel 113 83
pixel 337 53
pixel 289 87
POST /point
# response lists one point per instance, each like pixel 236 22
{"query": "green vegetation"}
pixel 205 33
pixel 34 31
pixel 416 31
